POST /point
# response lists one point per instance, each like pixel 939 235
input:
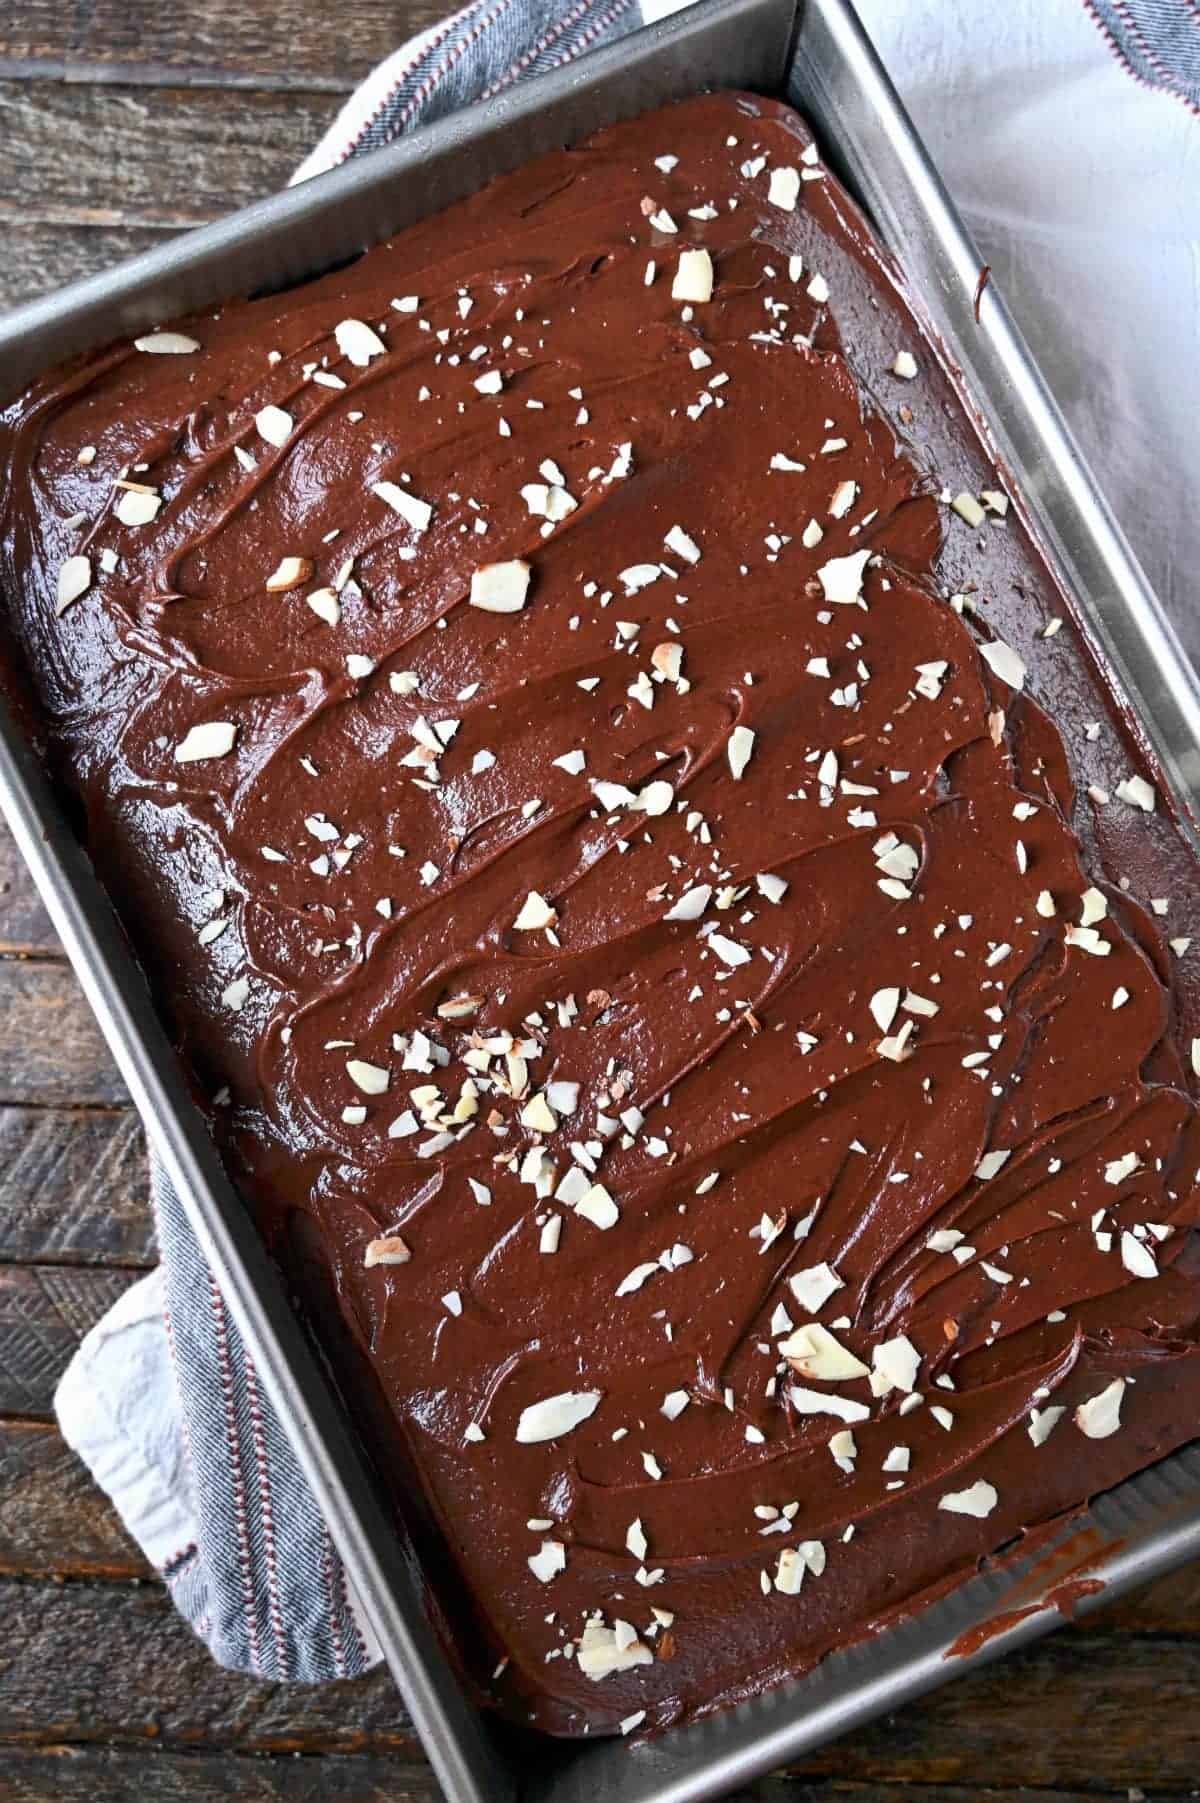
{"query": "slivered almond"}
pixel 289 573
pixel 166 344
pixel 389 1249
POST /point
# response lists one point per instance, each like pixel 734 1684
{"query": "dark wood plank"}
pixel 1104 1710
pixel 92 1663
pixel 83 1774
pixel 39 257
pixel 1169 1605
pixel 106 1662
pixel 289 43
pixel 45 1310
pixel 73 1185
pixel 51 1050
pixel 54 1522
pixel 24 924
pixel 164 157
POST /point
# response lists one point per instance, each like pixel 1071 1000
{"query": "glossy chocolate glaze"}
pixel 879 990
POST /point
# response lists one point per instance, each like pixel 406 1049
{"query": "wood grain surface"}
pixel 121 121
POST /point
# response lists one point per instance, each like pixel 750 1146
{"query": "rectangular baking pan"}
pixel 819 59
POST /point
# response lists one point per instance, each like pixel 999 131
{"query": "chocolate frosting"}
pixel 762 928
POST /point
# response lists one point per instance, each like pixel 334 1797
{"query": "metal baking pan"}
pixel 820 59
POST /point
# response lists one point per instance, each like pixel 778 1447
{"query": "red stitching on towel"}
pixel 402 76
pixel 268 1520
pixel 594 29
pixel 447 63
pixel 535 50
pixel 235 1472
pixel 339 1651
pixel 350 1615
pixel 1128 67
pixel 1165 75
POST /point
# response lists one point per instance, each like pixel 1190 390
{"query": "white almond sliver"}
pixel 1137 793
pixel 325 605
pixel 944 1239
pixel 556 1415
pixel 500 588
pixel 1137 1257
pixel 1102 1415
pixel 372 1079
pixel 693 277
pixel 166 344
pixel 601 1653
pixel 236 994
pixel 841 578
pixel 416 513
pixel 896 1363
pixel 783 190
pixel 1042 1423
pixel 598 1207
pixel 633 1280
pixel 883 1006
pixel 1093 906
pixel 813 1287
pixel 967 508
pixel 905 365
pixel 818 1402
pixel 640 575
pixel 789 1573
pixel 289 573
pixel 682 544
pixel 274 424
pixel 635 1539
pixel 813 1352
pixel 655 799
pixel 358 343
pixel 612 795
pixel 538 1115
pixel 979 1500
pixel 74 579
pixel 1004 662
pixel 137 507
pixel 728 950
pixel 547 1563
pixel 692 903
pixel 739 749
pixel 535 914
pixel 843 499
pixel 388 1250
pixel 211 739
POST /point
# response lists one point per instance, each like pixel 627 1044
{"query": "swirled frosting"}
pixel 685 955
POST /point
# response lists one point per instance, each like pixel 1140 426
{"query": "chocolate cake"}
pixel 683 947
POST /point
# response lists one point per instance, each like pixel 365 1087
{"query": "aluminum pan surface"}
pixel 1150 1523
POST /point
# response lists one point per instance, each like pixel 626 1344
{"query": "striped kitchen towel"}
pixel 161 1400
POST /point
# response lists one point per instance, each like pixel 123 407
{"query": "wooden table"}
pixel 120 121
